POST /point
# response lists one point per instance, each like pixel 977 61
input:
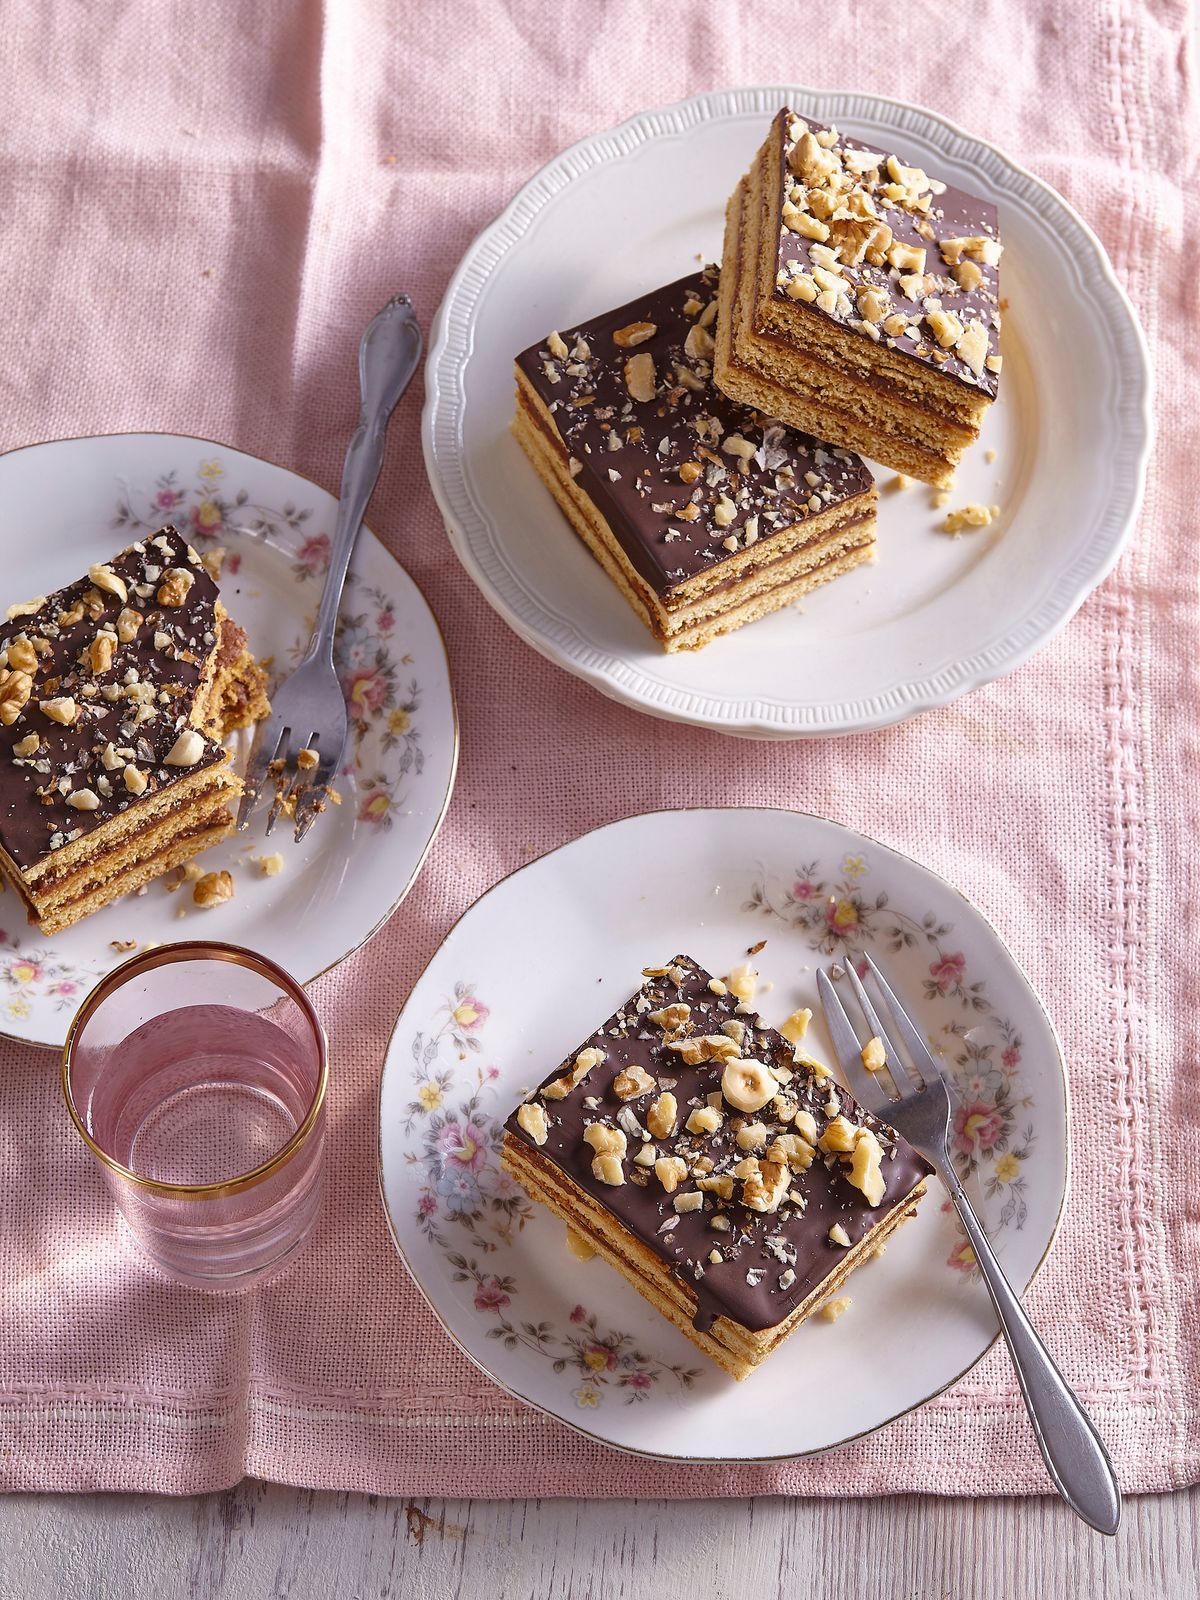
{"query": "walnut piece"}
pixel 607 1169
pixel 186 750
pixel 634 333
pixel 532 1118
pixel 833 1309
pixel 632 1083
pixel 15 689
pixel 105 578
pixel 213 889
pixel 61 708
pixel 640 377
pixel 670 1172
pixel 874 1057
pixel 128 623
pixel 796 1025
pixel 704 1047
pixel 705 1119
pixel 660 1119
pixel 603 1139
pixel 175 587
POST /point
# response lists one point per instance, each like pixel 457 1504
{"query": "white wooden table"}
pixel 261 1540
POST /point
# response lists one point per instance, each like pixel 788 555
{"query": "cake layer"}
pixel 733 1347
pixel 758 582
pixel 725 1155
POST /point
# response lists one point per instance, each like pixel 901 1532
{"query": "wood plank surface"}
pixel 261 1540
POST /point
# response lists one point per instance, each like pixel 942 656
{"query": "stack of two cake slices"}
pixel 702 439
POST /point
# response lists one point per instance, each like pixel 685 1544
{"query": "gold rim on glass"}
pixel 166 955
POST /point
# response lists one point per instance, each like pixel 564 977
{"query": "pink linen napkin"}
pixel 194 228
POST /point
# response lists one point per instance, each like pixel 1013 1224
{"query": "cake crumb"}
pixel 969 516
pixel 989 456
pixel 900 481
pixel 270 866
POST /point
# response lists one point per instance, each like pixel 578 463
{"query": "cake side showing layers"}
pixel 866 295
pixel 704 513
pixel 113 692
pixel 733 1183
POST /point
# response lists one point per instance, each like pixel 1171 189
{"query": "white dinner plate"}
pixel 531 970
pixel 66 504
pixel 642 205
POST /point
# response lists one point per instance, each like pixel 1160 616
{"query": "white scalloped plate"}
pixel 550 951
pixel 66 504
pixel 937 616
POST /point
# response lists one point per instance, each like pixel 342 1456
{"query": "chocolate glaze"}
pixel 32 827
pixel 799 1238
pixel 641 504
pixel 953 214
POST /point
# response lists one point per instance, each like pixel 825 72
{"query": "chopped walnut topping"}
pixel 15 690
pixel 671 1018
pixel 175 587
pixel 634 333
pixel 839 1236
pixel 603 1139
pixel 557 346
pixel 583 1064
pixel 26 608
pixel 27 746
pixel 640 377
pixel 22 657
pixel 135 779
pixel 692 1200
pixel 105 578
pixel 61 708
pixel 670 1172
pixel 532 1117
pixel 632 1083
pixel 84 800
pixel 705 1119
pixel 101 651
pixel 607 1169
pixel 270 866
pixel 661 1117
pixel 186 750
pixel 704 1047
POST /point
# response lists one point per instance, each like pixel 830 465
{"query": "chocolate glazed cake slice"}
pixel 860 298
pixel 719 1170
pixel 704 513
pixel 115 693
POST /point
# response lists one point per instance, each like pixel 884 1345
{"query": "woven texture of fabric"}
pixel 195 226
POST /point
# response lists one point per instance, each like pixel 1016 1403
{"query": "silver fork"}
pixel 1071 1448
pixel 300 745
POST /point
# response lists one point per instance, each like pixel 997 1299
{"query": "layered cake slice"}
pixel 860 299
pixel 723 1174
pixel 115 694
pixel 704 513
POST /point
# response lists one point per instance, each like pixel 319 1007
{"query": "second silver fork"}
pixel 300 745
pixel 1071 1448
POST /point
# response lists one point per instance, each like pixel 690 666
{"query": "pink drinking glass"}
pixel 196 1074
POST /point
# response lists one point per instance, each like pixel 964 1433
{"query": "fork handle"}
pixel 387 359
pixel 1071 1448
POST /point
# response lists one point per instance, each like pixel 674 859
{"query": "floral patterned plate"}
pixel 549 952
pixel 75 501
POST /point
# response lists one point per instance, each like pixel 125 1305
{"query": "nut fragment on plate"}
pixel 213 889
